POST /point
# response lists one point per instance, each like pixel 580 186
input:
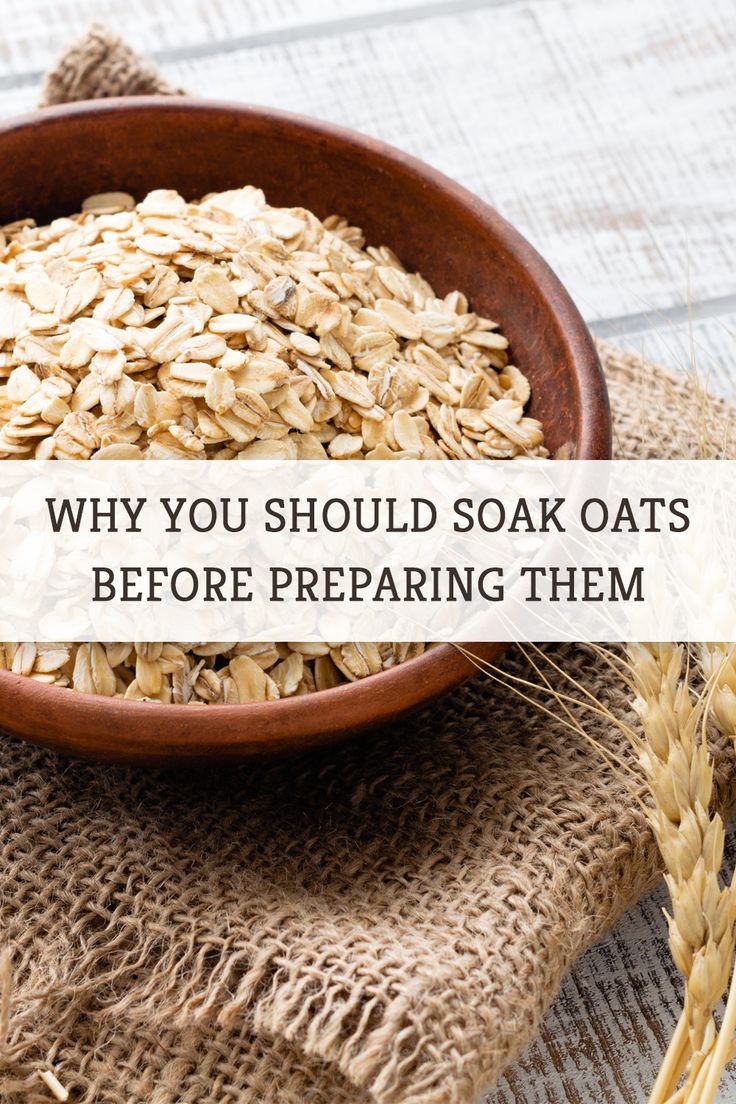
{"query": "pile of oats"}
pixel 229 329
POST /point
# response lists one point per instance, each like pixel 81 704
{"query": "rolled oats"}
pixel 229 329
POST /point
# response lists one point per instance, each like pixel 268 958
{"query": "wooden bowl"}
pixel 51 160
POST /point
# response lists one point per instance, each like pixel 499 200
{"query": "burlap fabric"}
pixel 98 66
pixel 385 922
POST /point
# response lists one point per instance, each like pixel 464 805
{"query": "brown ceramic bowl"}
pixel 51 160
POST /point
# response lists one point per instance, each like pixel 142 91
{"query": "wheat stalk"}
pixel 675 766
pixel 718 663
pixel 679 772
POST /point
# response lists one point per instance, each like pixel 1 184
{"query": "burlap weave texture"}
pixel 385 922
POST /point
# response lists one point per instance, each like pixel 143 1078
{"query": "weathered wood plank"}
pixel 705 349
pixel 33 32
pixel 602 131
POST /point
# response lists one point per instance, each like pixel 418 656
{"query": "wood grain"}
pixel 603 131
pixel 706 347
pixel 34 32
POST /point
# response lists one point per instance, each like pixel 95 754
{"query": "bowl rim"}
pixel 307 720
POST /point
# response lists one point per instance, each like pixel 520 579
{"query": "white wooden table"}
pixel 605 130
